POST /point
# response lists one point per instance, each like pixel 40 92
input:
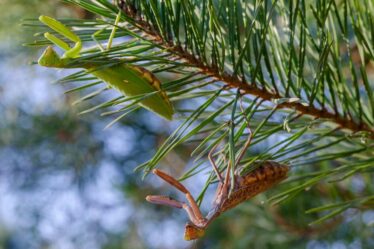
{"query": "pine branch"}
pixel 234 82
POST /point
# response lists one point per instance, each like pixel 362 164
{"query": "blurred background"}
pixel 66 182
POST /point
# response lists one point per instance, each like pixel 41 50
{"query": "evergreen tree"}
pixel 299 73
